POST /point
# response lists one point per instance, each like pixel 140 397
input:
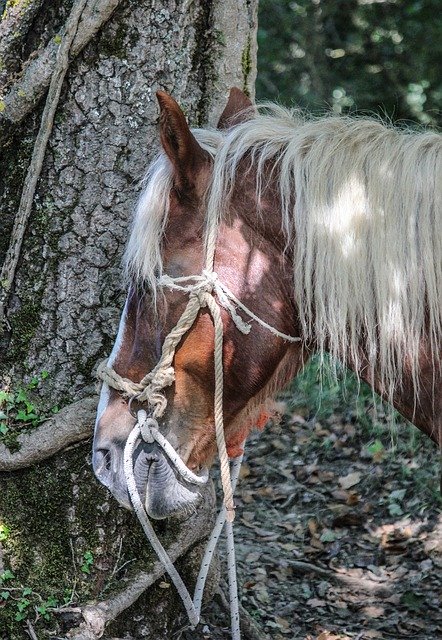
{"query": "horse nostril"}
pixel 102 461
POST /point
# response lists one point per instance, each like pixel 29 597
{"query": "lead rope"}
pixel 231 564
pixel 147 428
pixel 145 522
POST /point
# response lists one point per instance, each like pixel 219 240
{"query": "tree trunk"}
pixel 61 535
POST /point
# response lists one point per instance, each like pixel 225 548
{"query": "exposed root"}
pixel 33 173
pixel 97 616
pixel 14 27
pixel 31 630
pixel 70 425
pixel 31 86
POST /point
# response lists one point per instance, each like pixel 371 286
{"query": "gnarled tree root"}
pixel 33 82
pixel 70 425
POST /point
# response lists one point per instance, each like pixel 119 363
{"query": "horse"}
pixel 308 235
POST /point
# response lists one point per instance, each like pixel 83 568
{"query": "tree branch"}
pixel 47 120
pixel 358 584
pixel 70 425
pixel 27 91
pixel 14 26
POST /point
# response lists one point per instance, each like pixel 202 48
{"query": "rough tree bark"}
pixel 61 535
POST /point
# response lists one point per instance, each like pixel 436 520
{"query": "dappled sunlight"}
pixel 342 222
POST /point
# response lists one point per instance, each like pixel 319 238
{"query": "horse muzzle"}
pixel 160 490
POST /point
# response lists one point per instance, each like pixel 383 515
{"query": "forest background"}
pixel 371 57
pixel 375 56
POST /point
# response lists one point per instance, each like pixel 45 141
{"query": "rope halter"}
pixel 205 290
pixel 202 290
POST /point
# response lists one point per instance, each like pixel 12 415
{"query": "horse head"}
pixel 170 239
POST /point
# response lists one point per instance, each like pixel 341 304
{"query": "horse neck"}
pixel 264 219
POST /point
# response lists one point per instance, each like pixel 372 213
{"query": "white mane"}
pixel 361 211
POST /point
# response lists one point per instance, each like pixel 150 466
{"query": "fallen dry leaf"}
pixel 327 635
pixel 340 494
pixel 315 602
pixel 312 525
pixel 349 480
pixel 353 498
pixel 374 612
pixel 244 472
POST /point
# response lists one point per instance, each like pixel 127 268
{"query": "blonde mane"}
pixel 361 212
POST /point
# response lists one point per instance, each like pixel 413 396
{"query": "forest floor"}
pixel 338 527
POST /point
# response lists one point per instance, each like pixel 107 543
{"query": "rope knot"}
pixel 201 295
pixel 207 285
pixel 163 378
pixel 210 279
pixel 147 426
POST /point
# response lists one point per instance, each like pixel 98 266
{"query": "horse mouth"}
pixel 162 493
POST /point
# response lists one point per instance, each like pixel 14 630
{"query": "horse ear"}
pixel 181 147
pixel 239 108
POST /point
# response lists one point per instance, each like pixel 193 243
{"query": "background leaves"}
pixel 370 55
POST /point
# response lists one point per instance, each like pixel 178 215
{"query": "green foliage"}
pixel 412 601
pixel 23 602
pixel 88 561
pixel 381 57
pixel 20 410
pixel 327 386
pixel 376 448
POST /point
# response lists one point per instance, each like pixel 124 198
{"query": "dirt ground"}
pixel 338 532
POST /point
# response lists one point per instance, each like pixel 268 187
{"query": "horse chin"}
pixel 162 493
pixel 159 506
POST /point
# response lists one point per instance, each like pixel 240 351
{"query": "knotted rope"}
pixel 147 428
pixel 202 290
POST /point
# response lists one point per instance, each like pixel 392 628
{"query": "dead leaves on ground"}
pixel 314 492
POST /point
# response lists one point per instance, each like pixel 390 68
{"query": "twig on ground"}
pixel 114 570
pixel 30 630
pixel 70 425
pixel 360 584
